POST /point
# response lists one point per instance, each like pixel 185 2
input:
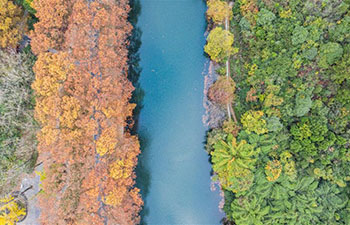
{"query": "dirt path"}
pixel 33 209
pixel 229 106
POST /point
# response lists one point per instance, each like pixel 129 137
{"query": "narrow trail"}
pixel 227 69
pixel 229 106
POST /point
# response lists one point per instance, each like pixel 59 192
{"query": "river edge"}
pixel 214 114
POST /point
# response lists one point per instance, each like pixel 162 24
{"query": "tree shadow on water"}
pixel 143 175
pixel 142 169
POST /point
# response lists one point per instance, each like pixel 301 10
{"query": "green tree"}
pixel 303 104
pixel 234 162
pixel 299 35
pixel 265 17
pixel 293 99
pixel 329 54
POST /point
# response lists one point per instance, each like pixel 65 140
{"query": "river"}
pixel 174 171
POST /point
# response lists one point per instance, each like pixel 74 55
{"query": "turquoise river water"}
pixel 174 171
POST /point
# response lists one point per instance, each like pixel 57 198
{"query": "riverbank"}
pixel 217 113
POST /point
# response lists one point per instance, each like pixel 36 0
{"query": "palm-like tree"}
pixel 233 162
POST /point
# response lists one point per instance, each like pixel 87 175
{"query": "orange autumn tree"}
pixel 222 92
pixel 50 29
pixel 89 155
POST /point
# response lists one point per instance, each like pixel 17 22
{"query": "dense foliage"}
pixel 83 108
pixel 219 45
pixel 12 25
pixel 219 11
pixel 287 160
pixel 222 91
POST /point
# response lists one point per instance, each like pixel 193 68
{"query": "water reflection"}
pixel 143 175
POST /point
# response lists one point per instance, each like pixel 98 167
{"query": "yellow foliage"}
pixel 10 211
pixel 121 169
pixel 252 70
pixel 111 111
pixel 286 13
pixel 288 165
pixel 249 10
pixel 50 71
pixel 115 197
pixel 48 135
pixel 45 109
pixel 10 17
pixel 219 44
pixel 117 108
pixel 93 192
pixel 273 170
pixel 272 100
pixel 29 2
pixel 7 199
pixel 46 86
pixel 107 141
pixel 70 111
pixel 252 121
pixel 218 11
pixel 71 135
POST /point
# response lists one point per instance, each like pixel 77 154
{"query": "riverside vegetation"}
pixel 287 158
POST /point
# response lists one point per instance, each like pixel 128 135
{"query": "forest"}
pixel 286 158
pixel 280 153
pixel 64 102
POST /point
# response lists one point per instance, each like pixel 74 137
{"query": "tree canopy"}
pixel 218 11
pixel 82 105
pixel 11 30
pixel 293 107
pixel 219 45
pixel 222 91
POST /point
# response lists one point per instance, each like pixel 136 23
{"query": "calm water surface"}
pixel 174 172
